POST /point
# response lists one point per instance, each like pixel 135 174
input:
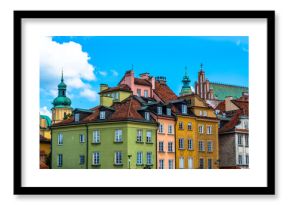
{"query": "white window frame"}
pixel 170 129
pixel 77 117
pixel 184 109
pixel 96 136
pixel 246 140
pixel 161 164
pixel 159 110
pixel 201 146
pixel 209 129
pixel 59 160
pixel 161 128
pixel 118 135
pixel 200 128
pixel 240 140
pixel 147 116
pixel 149 158
pixel 190 165
pixel 118 158
pixel 161 146
pixel 82 138
pixel 60 139
pixel 96 158
pixel 209 148
pixel 190 144
pixel 148 137
pixel 146 93
pixel 139 136
pixel 240 159
pixel 102 115
pixel 170 164
pixel 170 147
pixel 181 165
pixel 180 125
pixel 139 158
pixel 189 126
pixel 181 142
pixel 168 111
pixel 200 113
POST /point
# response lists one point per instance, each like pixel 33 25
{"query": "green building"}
pixel 186 89
pixel 122 136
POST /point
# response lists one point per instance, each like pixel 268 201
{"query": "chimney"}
pixel 144 76
pixel 161 79
pixel 103 87
pixel 128 79
pixel 228 103
pixel 152 80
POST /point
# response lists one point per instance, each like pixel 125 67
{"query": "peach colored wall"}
pixel 142 87
pixel 165 137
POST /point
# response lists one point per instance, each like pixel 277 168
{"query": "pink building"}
pixel 142 86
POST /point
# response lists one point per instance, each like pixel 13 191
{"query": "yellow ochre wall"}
pixel 58 114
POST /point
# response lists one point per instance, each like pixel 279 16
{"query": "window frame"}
pixel 102 115
pixel 60 139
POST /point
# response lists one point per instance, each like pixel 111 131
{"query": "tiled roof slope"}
pixel 140 81
pixel 221 91
pixel 232 123
pixel 164 92
pixel 243 105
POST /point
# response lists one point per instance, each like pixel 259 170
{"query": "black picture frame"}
pixel 269 16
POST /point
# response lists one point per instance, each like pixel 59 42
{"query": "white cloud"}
pixel 114 72
pixel 103 73
pixel 69 57
pixel 89 94
pixel 44 111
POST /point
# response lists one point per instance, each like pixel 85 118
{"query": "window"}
pixel 147 116
pixel 161 144
pixel 160 129
pixel 180 125
pixel 201 146
pixel 209 163
pixel 204 113
pixel 201 163
pixel 181 143
pixel 181 162
pixel 96 158
pixel 118 136
pixel 148 137
pixel 159 110
pixel 240 159
pixel 170 129
pixel 246 140
pixel 117 96
pixel 161 164
pixel 149 158
pixel 168 111
pixel 209 146
pixel 184 109
pixel 170 164
pixel 139 135
pixel 189 126
pixel 189 144
pixel 146 93
pixel 170 147
pixel 60 139
pixel 59 160
pixel 82 138
pixel 102 115
pixel 139 158
pixel 82 159
pixel 77 117
pixel 246 125
pixel 118 158
pixel 240 139
pixel 190 162
pixel 200 129
pixel 96 136
pixel 247 159
pixel 209 130
pixel 200 113
pixel 139 92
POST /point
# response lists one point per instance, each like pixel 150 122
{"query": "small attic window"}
pixel 77 117
pixel 102 115
pixel 147 116
pixel 159 110
pixel 184 109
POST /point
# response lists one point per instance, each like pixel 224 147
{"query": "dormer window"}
pixel 145 93
pixel 147 116
pixel 159 110
pixel 184 109
pixel 77 117
pixel 102 115
pixel 168 111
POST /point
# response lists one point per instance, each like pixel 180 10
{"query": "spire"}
pixel 185 90
pixel 61 75
pixel 201 66
pixel 185 71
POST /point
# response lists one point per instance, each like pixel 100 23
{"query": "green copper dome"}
pixel 61 100
pixel 186 89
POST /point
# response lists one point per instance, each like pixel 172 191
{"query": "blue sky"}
pixel 89 61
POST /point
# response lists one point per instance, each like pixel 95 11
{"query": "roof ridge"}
pixel 240 86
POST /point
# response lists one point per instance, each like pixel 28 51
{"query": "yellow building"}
pixel 204 133
pixel 44 139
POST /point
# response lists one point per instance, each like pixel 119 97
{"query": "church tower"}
pixel 186 89
pixel 61 104
pixel 202 86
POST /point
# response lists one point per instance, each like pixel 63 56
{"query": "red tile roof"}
pixel 221 106
pixel 140 81
pixel 230 126
pixel 243 105
pixel 164 92
pixel 122 87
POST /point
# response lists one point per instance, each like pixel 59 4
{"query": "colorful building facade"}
pixel 45 139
